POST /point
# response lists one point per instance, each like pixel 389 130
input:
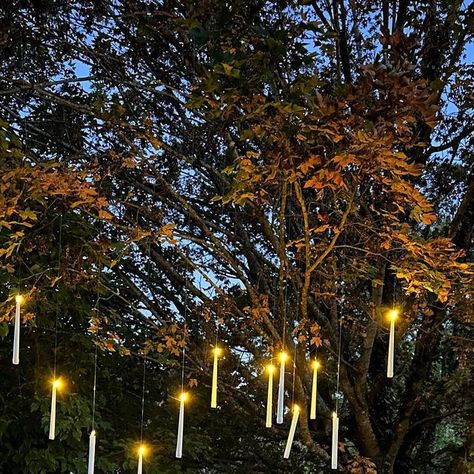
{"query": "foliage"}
pixel 247 169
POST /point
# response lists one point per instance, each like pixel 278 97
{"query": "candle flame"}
pixel 217 351
pixel 270 368
pixel 393 314
pixel 183 396
pixel 283 356
pixel 57 383
pixel 316 364
pixel 19 298
pixel 142 449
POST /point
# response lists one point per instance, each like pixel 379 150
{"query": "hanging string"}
pixel 60 246
pixel 96 308
pixel 294 356
pixel 338 363
pixel 143 398
pixel 183 359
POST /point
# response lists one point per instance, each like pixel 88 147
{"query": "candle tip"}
pixel 393 314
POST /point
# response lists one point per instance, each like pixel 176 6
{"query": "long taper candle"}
pixel 52 417
pixel 270 370
pixel 281 388
pixel 16 333
pixel 141 453
pixel 291 434
pixel 91 462
pixel 179 441
pixel 217 352
pixel 335 439
pixel 392 315
pixel 314 391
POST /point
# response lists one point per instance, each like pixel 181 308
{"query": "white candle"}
pixel 16 333
pixel 52 417
pixel 179 441
pixel 291 434
pixel 217 352
pixel 281 389
pixel 335 438
pixel 271 370
pixel 314 391
pixel 391 343
pixel 90 464
pixel 141 452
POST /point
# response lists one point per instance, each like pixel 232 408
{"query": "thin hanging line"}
pixel 60 247
pixel 183 360
pixel 293 381
pixel 143 398
pixel 96 308
pixel 94 389
pixel 338 364
pixel 295 353
pixel 144 356
pixel 285 307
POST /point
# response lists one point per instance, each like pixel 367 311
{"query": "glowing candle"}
pixel 141 453
pixel 52 417
pixel 291 434
pixel 90 464
pixel 271 370
pixel 217 353
pixel 314 390
pixel 335 437
pixel 392 315
pixel 16 333
pixel 179 442
pixel 281 388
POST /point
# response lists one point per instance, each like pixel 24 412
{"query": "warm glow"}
pixel 393 314
pixel 183 397
pixel 57 383
pixel 316 364
pixel 296 407
pixel 19 299
pixel 217 351
pixel 142 449
pixel 270 368
pixel 283 356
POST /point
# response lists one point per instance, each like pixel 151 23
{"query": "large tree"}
pixel 265 175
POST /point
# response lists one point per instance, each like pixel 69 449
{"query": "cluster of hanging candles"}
pixel 57 383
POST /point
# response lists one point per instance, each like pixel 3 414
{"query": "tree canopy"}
pixel 264 175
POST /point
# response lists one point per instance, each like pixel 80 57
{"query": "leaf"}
pixel 428 219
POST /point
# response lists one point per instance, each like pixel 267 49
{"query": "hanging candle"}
pixel 314 390
pixel 179 442
pixel 90 464
pixel 16 333
pixel 281 388
pixel 52 418
pixel 291 434
pixel 141 454
pixel 335 438
pixel 217 352
pixel 392 315
pixel 270 370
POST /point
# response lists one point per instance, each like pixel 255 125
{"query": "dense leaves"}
pixel 173 172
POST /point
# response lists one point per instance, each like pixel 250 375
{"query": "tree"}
pixel 256 173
